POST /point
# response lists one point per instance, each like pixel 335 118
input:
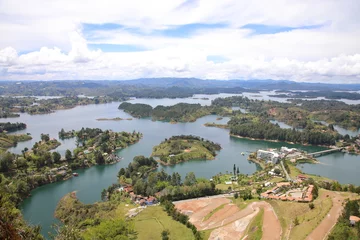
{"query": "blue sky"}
pixel 292 40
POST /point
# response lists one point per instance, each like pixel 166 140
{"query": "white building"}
pixel 268 156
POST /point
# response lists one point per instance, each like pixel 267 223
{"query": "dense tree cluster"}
pixel 11 127
pixel 138 110
pixel 268 131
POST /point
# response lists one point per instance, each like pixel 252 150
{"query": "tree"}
pixel 6 161
pixel 121 172
pixel 311 206
pixel 104 195
pixel 234 169
pixel 68 155
pixel 165 235
pixel 56 157
pixel 296 221
pixel 45 137
pixel 237 171
pixel 99 158
pixel 236 195
pixel 190 179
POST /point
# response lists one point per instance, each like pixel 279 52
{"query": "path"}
pixel 324 228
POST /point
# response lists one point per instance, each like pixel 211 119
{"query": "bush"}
pixel 236 195
pixel 311 206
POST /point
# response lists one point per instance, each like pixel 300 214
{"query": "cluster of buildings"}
pixel 274 155
pixel 138 199
pixel 298 195
pixel 58 171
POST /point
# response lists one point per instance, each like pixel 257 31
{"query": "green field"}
pixel 254 230
pixel 153 220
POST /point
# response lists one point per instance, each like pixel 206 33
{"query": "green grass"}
pixel 308 219
pixel 254 230
pixel 153 220
pixel 214 211
pixel 206 234
pixel 294 172
pixel 243 204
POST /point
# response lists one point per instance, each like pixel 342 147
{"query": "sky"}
pixel 299 40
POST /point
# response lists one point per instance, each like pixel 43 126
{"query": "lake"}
pixel 39 208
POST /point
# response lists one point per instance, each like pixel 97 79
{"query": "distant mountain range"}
pixel 250 84
pixel 193 83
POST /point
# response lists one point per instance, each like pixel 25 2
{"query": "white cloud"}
pixel 328 53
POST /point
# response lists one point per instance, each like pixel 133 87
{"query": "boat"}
pixel 242 153
pixel 75 174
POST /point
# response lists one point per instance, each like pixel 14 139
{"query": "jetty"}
pixel 324 152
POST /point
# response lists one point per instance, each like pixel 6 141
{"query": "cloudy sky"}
pixel 300 40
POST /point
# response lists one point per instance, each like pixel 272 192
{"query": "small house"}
pixel 354 220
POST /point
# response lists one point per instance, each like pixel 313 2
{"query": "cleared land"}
pixel 153 220
pixel 227 219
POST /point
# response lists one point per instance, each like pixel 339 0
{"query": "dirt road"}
pixel 324 228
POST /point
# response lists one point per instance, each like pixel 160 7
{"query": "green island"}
pixel 184 148
pixel 181 112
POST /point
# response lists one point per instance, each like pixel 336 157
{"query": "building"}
pixel 354 220
pixel 268 156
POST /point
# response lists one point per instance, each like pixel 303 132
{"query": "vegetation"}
pixel 213 212
pixel 155 223
pixel 149 183
pixel 137 110
pixel 182 218
pixel 11 127
pixel 343 229
pixel 181 112
pixel 65 135
pixel 8 141
pixel 184 148
pixel 254 230
pixel 12 225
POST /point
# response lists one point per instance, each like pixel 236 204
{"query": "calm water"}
pixel 39 209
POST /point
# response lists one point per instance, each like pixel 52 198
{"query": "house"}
pixel 301 177
pixel 354 220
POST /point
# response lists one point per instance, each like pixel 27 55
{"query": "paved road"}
pixel 286 173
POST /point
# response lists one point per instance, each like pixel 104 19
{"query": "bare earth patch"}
pixel 229 222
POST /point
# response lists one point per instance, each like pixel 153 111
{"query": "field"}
pixel 313 223
pixel 153 220
pixel 225 220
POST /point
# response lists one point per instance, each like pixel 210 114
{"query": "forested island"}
pixel 181 112
pixel 184 148
pixel 11 127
